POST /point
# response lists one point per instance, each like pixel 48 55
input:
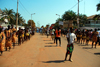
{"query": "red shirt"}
pixel 58 35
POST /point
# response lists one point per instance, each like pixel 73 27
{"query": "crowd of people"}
pixel 74 35
pixel 8 37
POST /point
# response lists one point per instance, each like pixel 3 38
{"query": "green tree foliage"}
pixel 11 16
pixel 83 19
pixel 98 6
pixel 33 23
pixel 69 15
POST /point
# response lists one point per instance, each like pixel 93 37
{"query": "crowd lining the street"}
pixel 8 37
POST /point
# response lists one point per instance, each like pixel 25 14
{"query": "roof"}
pixel 94 16
pixel 91 17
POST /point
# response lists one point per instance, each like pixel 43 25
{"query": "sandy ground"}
pixel 40 51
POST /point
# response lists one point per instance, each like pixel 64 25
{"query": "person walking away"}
pixel 94 37
pixel 83 36
pixel 23 35
pixel 52 34
pixel 47 32
pixel 70 45
pixel 1 41
pixel 87 37
pixel 19 36
pixel 58 34
pixel 8 42
pixel 13 35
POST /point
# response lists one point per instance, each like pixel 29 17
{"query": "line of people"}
pixel 11 34
pixel 84 36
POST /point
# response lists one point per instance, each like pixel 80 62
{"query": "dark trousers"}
pixel 58 38
pixel 98 40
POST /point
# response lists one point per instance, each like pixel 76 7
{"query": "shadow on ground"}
pixel 87 48
pixel 42 37
pixel 50 46
pixel 46 40
pixel 54 61
pixel 49 43
pixel 97 53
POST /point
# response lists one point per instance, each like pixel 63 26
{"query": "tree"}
pixel 59 19
pixel 83 19
pixel 10 14
pixel 33 23
pixel 20 19
pixel 98 6
pixel 69 15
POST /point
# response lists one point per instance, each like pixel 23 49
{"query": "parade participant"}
pixel 90 34
pixel 47 32
pixel 23 35
pixel 94 37
pixel 58 33
pixel 80 37
pixel 8 38
pixel 87 37
pixel 83 36
pixel 52 34
pixel 13 35
pixel 27 34
pixel 1 41
pixel 19 36
pixel 70 45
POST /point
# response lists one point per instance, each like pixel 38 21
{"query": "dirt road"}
pixel 40 51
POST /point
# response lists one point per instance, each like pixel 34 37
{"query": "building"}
pixel 93 21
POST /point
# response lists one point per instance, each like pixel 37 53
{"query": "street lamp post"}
pixel 31 19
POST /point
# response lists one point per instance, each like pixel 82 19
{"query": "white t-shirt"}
pixel 53 31
pixel 67 36
pixel 72 37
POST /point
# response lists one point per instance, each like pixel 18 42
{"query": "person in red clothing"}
pixel 58 34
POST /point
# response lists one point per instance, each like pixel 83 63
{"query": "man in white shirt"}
pixel 70 45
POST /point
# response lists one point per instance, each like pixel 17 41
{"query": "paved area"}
pixel 40 51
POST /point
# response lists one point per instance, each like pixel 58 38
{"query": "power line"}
pixel 24 7
pixel 21 6
pixel 75 5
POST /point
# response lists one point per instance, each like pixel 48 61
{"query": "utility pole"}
pixel 78 15
pixel 31 19
pixel 17 15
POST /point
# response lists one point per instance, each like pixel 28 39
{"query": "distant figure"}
pixel 58 34
pixel 8 38
pixel 19 36
pixel 1 41
pixel 70 45
pixel 13 31
pixel 94 37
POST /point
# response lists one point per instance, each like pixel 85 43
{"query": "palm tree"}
pixel 98 6
pixel 10 15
